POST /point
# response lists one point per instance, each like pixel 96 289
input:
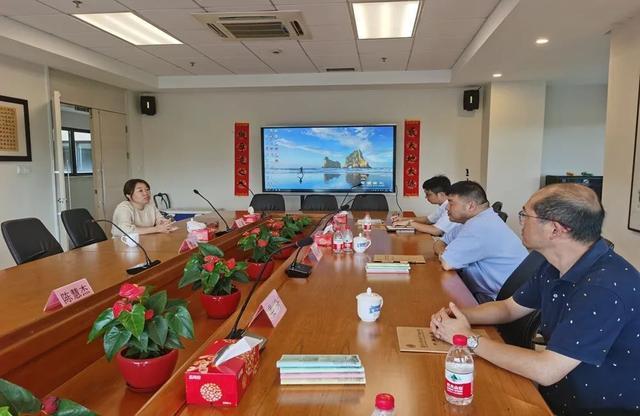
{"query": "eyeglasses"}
pixel 522 215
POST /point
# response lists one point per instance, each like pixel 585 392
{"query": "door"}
pixel 111 165
pixel 59 168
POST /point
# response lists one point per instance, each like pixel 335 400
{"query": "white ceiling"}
pixel 470 38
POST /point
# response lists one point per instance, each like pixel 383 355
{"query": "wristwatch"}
pixel 472 342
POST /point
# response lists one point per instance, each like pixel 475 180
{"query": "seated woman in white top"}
pixel 137 214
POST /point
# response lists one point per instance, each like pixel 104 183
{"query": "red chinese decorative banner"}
pixel 241 150
pixel 411 170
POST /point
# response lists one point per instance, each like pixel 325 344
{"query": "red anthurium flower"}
pixel 245 234
pixel 278 225
pixel 262 243
pixel 275 233
pixel 148 314
pixel 119 306
pixel 50 405
pixel 211 259
pixel 131 291
pixel 208 267
pixel 231 263
pixel 255 231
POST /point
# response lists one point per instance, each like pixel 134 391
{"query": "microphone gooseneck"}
pixel 137 269
pixel 237 333
pixel 195 191
pixel 346 207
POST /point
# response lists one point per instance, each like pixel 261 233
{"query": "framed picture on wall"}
pixel 634 203
pixel 15 140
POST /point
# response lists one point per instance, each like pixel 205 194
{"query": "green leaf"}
pixel 210 281
pixel 114 340
pixel 142 343
pixel 191 272
pixel 133 321
pixel 157 302
pixel 4 411
pixel 17 399
pixel 172 303
pixel 158 329
pixel 69 408
pixel 173 342
pixel 210 250
pixel 240 276
pixel 180 322
pixel 100 325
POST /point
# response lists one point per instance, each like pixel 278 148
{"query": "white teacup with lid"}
pixel 369 305
pixel 361 243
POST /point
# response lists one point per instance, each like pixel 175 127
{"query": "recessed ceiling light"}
pixel 129 27
pixel 542 41
pixel 497 75
pixel 391 19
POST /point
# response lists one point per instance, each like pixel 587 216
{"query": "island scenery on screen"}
pixel 328 158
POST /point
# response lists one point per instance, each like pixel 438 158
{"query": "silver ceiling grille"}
pixel 262 25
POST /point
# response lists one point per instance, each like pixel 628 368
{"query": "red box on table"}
pixel 249 218
pixel 323 240
pixel 204 234
pixel 223 385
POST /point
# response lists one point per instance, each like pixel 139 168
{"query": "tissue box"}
pixel 249 218
pixel 224 385
pixel 323 240
pixel 202 235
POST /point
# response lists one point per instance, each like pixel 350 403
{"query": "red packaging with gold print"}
pixel 224 385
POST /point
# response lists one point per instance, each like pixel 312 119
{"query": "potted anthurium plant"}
pixel 207 270
pixel 143 331
pixel 16 400
pixel 262 243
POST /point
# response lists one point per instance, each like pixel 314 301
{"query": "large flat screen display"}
pixel 328 158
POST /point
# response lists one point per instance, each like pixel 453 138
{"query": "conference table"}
pixel 321 318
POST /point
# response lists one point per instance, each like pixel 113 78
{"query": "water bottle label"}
pixel 459 385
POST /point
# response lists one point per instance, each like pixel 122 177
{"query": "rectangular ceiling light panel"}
pixel 129 27
pixel 381 20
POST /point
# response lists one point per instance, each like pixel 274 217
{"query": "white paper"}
pixel 245 344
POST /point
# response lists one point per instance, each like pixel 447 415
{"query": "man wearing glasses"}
pixel 484 250
pixel 589 298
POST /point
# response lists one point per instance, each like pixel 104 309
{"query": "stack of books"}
pixel 391 268
pixel 321 369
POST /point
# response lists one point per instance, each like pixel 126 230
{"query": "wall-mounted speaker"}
pixel 148 105
pixel 471 100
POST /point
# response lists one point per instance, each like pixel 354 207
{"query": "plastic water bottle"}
pixel 459 373
pixel 366 222
pixel 338 242
pixel 347 240
pixel 385 405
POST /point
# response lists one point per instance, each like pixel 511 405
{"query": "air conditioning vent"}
pixel 261 25
pixel 340 70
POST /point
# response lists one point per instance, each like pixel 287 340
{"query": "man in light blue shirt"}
pixel 484 249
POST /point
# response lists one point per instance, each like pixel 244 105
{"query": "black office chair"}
pixel 320 203
pixel 28 239
pixel 497 207
pixel 82 231
pixel 522 331
pixel 267 202
pixel 370 202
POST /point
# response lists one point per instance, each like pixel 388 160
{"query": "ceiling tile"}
pixel 173 19
pixel 290 59
pixel 463 28
pixel 224 49
pixel 433 60
pixel 87 6
pixel 23 8
pixel 322 14
pixel 94 39
pixel 331 32
pixel 230 5
pixel 394 61
pixel 195 37
pixel 124 52
pixel 55 23
pixel 244 65
pixel 141 59
pixel 315 47
pixel 378 46
pixel 434 44
pixel 336 61
pixel 201 66
pixel 159 4
pixel 172 51
pixel 302 2
pixel 458 9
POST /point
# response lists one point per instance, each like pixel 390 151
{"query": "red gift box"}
pixel 249 218
pixel 323 240
pixel 223 385
pixel 202 235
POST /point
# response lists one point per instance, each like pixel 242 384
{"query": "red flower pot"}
pixel 253 270
pixel 148 374
pixel 284 254
pixel 220 307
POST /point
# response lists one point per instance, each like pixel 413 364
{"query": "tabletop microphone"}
pixel 346 207
pixel 237 333
pixel 244 185
pixel 135 269
pixel 296 269
pixel 195 191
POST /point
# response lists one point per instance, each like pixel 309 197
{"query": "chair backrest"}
pixel 370 202
pixel 82 231
pixel 503 215
pixel 28 239
pixel 267 202
pixel 522 331
pixel 497 206
pixel 320 203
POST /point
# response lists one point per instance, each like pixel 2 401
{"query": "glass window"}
pixel 66 151
pixel 76 147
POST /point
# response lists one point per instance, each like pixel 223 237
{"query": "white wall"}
pixel 29 195
pixel 189 142
pixel 514 148
pixel 622 107
pixel 574 128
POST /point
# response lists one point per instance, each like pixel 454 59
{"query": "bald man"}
pixel 589 298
